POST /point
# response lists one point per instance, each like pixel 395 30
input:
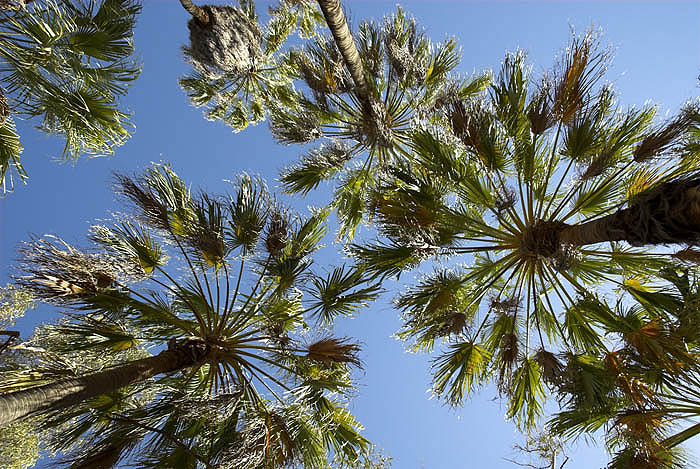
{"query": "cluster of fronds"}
pixel 642 391
pixel 237 75
pixel 409 80
pixel 68 63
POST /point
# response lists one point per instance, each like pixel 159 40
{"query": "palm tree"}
pixel 225 316
pixel 67 62
pixel 368 110
pixel 14 303
pixel 19 444
pixel 543 447
pixel 530 182
pixel 335 19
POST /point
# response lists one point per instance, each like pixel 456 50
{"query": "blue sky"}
pixel 657 59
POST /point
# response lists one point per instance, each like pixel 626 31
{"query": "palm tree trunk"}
pixel 59 395
pixel 198 13
pixel 595 231
pixel 333 13
pixel 669 214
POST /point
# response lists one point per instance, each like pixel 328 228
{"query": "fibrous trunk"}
pixel 667 214
pixel 197 13
pixel 62 394
pixel 229 43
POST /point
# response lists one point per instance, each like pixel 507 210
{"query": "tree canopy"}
pixel 554 231
pixel 222 288
pixel 66 62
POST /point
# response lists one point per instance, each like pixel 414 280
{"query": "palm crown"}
pixel 227 312
pixel 529 181
pixel 406 81
pixel 67 62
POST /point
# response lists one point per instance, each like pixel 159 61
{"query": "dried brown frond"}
pixel 508 358
pixel 612 362
pixel 552 368
pixel 228 44
pixel 645 428
pixel 334 350
pixel 453 324
pixel 153 210
pixel 509 306
pixel 277 232
pixel 210 244
pixel 688 255
pixel 539 112
pixel 638 391
pixel 665 137
pixel 473 124
pixel 597 165
pixel 464 123
pixel 280 446
pixel 57 272
pixel 580 68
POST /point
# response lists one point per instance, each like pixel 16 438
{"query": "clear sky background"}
pixel 657 59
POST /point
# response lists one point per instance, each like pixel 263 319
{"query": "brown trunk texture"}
pixel 333 13
pixel 59 395
pixel 668 214
pixel 592 232
pixel 11 336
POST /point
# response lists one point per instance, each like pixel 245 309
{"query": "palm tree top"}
pixel 228 279
pixel 529 182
